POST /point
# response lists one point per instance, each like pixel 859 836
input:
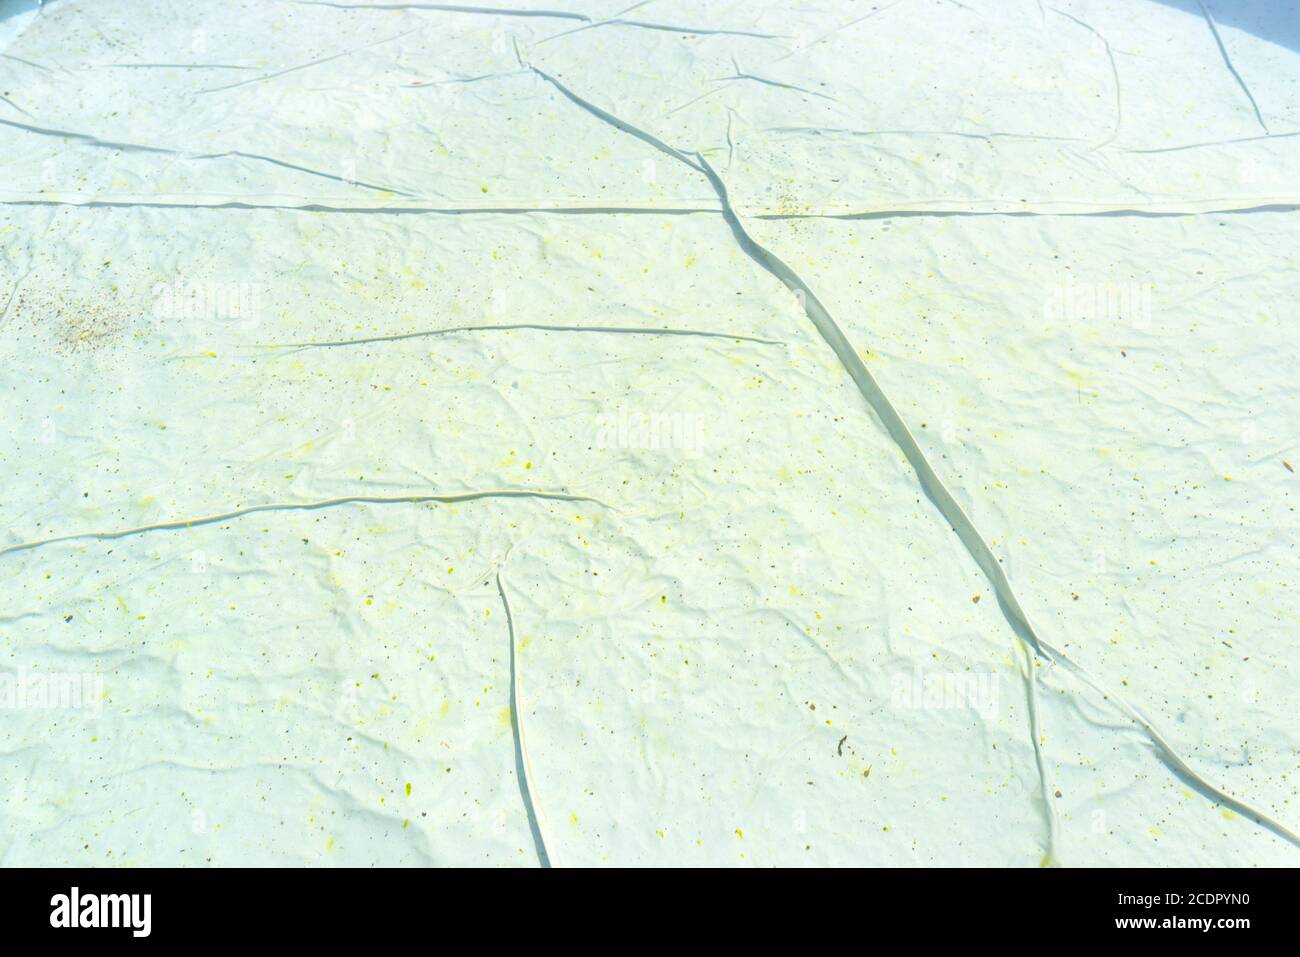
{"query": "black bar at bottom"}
pixel 336 907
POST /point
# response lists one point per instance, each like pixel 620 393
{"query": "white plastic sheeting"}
pixel 742 433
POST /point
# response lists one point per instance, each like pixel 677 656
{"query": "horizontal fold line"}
pixel 184 523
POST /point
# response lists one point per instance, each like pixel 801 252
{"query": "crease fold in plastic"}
pixel 574 434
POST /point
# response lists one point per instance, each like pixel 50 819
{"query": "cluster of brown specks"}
pixel 73 324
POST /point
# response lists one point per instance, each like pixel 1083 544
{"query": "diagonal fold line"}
pixel 931 484
pixel 1114 74
pixel 1227 61
pixel 95 141
pixel 618 124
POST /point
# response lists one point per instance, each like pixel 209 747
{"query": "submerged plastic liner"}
pixel 730 434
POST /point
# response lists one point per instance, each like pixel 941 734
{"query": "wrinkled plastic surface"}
pixel 427 439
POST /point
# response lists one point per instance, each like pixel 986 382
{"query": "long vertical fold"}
pixel 522 769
